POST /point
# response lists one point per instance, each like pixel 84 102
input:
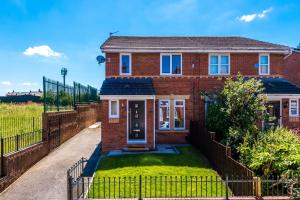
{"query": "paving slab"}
pixel 47 179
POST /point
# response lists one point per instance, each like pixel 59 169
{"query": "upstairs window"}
pixel 294 108
pixel 219 64
pixel 113 109
pixel 125 64
pixel 264 65
pixel 170 64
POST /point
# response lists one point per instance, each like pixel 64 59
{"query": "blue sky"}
pixel 37 38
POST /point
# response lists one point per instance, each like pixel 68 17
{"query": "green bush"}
pixel 236 110
pixel 217 120
pixel 275 152
pixel 65 98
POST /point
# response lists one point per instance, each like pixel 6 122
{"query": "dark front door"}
pixel 273 110
pixel 136 122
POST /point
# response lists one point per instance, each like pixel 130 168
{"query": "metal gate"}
pixel 54 129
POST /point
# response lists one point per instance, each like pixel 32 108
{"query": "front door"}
pixel 136 121
pixel 273 110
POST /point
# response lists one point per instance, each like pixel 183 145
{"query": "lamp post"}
pixel 64 72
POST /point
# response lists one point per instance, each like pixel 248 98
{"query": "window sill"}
pixel 171 74
pixel 173 130
pixel 219 74
pixel 113 120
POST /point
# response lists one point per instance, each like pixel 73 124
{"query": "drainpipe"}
pixel 288 55
pixel 154 132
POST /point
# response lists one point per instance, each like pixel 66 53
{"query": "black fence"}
pixel 175 187
pixel 83 94
pixel 11 126
pixel 83 187
pixel 20 141
pixel 60 97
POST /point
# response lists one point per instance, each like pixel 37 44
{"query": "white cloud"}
pixel 43 50
pixel 6 83
pixel 29 84
pixel 250 17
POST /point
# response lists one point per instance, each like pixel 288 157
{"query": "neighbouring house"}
pixel 22 97
pixel 152 85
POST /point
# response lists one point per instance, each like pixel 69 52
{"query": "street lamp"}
pixel 64 72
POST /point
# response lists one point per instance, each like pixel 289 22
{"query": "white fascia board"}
pixel 282 96
pixel 192 50
pixel 129 97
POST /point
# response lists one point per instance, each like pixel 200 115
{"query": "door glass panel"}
pixel 136 117
pixel 273 111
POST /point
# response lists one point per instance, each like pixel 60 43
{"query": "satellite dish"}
pixel 100 59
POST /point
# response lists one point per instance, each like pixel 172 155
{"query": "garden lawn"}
pixel 163 175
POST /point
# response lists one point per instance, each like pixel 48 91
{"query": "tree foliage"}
pixel 236 110
pixel 275 152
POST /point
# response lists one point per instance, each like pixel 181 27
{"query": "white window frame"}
pixel 109 109
pixel 259 68
pixel 181 106
pixel 170 54
pixel 159 113
pixel 219 63
pixel 120 63
pixel 290 108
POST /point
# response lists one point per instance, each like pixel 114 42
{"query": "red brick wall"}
pixel 114 134
pixel 17 163
pixel 112 65
pixel 148 64
pixel 145 64
pixel 171 137
pixel 72 122
pixel 292 68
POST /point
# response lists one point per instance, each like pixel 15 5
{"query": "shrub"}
pixel 216 120
pixel 275 152
pixel 237 109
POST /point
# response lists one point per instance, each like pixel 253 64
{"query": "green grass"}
pixel 163 175
pixel 24 120
pixel 19 118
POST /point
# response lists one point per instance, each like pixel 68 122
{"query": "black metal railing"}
pixel 59 97
pixel 84 94
pixel 10 126
pixel 177 187
pixel 20 141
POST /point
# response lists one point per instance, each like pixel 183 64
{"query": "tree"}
pixel 239 106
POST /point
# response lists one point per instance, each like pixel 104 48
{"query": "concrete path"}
pixel 47 179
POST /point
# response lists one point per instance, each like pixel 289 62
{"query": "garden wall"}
pixel 70 123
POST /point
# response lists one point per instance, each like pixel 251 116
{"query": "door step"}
pixel 135 149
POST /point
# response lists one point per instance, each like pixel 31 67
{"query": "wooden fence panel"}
pixel 220 158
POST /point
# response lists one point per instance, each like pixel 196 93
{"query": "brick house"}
pixel 152 86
